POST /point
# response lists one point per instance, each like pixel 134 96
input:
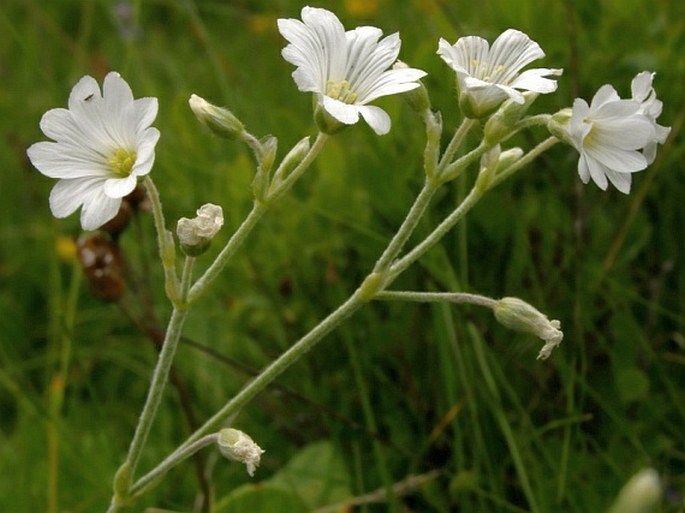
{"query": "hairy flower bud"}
pixel 219 120
pixel 518 315
pixel 558 125
pixel 236 445
pixel 502 122
pixel 196 234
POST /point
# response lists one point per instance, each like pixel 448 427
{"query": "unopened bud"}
pixel 508 157
pixel 558 124
pixel 488 166
pixel 518 315
pixel 219 120
pixel 292 159
pixel 196 234
pixel 266 154
pixel 502 122
pixel 640 495
pixel 236 445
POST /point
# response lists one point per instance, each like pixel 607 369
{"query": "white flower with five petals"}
pixel 101 145
pixel 610 135
pixel 487 76
pixel 345 70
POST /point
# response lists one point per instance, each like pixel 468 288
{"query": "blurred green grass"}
pixel 399 389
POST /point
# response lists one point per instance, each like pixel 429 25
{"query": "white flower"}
pixel 609 134
pixel 487 76
pixel 643 92
pixel 345 70
pixel 102 144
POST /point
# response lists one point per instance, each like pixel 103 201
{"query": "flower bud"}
pixel 219 120
pixel 518 315
pixel 640 495
pixel 508 157
pixel 266 156
pixel 502 122
pixel 292 159
pixel 417 98
pixel 236 445
pixel 196 234
pixel 488 166
pixel 558 123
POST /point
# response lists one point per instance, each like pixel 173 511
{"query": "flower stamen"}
pixel 122 162
pixel 340 91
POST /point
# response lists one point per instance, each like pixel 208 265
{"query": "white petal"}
pixel 97 209
pixel 471 54
pixel 625 161
pixel 85 90
pixel 343 112
pixel 532 80
pixel 57 160
pixel 317 45
pixel 621 181
pixel 451 56
pixel 59 124
pixel 583 170
pixel 305 82
pixel 144 112
pixel 116 92
pixel 597 172
pixel 377 118
pixel 392 82
pixel 617 109
pixel 119 187
pixel 641 86
pixel 627 134
pixel 604 94
pixel 145 153
pixel 67 195
pixel 368 58
pixel 510 52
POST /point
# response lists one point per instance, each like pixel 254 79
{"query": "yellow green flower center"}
pixel 587 140
pixel 340 91
pixel 481 67
pixel 121 162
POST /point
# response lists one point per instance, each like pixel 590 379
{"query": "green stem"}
pixel 408 225
pixel 281 187
pixel 258 384
pixel 167 250
pixel 457 140
pixel 180 457
pixel 399 266
pixel 236 240
pixel 258 210
pixel 437 297
pixel 471 199
pixel 160 376
pixel 523 161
